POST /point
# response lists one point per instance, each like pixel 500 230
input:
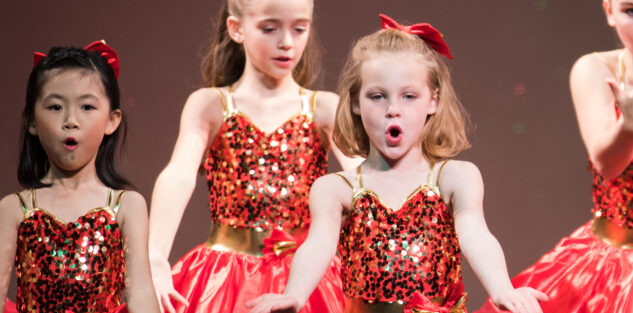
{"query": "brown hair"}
pixel 445 131
pixel 224 62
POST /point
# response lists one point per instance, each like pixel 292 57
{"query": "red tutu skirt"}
pixel 221 281
pixel 581 275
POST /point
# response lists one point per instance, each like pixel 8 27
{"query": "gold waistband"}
pixel 243 240
pixel 612 234
pixel 355 305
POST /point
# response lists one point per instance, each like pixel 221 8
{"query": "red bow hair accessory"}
pixel 106 51
pixel 425 31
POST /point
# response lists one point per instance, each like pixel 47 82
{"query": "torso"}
pixel 261 179
pixel 77 266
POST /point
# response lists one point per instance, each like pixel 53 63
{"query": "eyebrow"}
pixel 276 20
pixel 60 97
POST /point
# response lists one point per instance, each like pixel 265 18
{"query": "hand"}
pixel 521 300
pixel 274 303
pixel 164 285
pixel 623 97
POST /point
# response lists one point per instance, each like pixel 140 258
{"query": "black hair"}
pixel 33 163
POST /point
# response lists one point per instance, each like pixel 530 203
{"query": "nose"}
pixel 393 109
pixel 285 42
pixel 70 120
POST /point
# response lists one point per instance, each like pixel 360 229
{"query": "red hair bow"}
pixel 428 33
pixel 106 51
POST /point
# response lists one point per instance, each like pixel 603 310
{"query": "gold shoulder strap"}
pixel 22 203
pixel 346 181
pixel 439 173
pixel 115 209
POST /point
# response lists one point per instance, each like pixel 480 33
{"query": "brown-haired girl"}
pixel 264 139
pixel 402 217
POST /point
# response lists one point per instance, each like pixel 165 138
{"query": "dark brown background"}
pixel 512 60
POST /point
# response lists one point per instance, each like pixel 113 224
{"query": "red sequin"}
pixel 259 180
pixel 387 256
pixel 614 198
pixel 76 267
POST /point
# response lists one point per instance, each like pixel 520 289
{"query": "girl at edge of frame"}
pixel 263 139
pixel 402 217
pixel 77 236
pixel 591 270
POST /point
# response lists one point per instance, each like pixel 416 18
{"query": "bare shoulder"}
pixel 594 66
pixel 206 101
pixel 334 186
pixel 11 208
pixel 325 106
pixel 131 204
pixel 457 174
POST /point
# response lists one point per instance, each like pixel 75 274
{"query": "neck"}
pixel 413 159
pixel 257 81
pixel 74 179
pixel 627 74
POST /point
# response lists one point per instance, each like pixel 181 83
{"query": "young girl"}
pixel 264 140
pixel 592 269
pixel 401 212
pixel 77 237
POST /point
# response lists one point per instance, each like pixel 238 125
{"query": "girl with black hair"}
pixel 77 237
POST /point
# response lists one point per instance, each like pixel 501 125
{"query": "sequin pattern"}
pixel 259 180
pixel 77 266
pixel 388 255
pixel 613 198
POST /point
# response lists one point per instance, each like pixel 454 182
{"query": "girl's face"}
pixel 71 117
pixel 394 102
pixel 274 34
pixel 620 16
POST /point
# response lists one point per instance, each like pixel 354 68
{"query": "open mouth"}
pixel 394 134
pixel 70 143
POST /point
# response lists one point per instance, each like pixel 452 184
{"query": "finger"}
pixel 539 295
pixel 178 297
pixel 167 304
pixel 254 302
pixel 534 307
pixel 160 306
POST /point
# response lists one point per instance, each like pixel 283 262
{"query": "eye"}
pixel 409 96
pixel 54 107
pixel 301 29
pixel 628 11
pixel 377 96
pixel 268 29
pixel 88 107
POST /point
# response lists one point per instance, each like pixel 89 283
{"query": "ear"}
pixel 608 10
pixel 234 27
pixel 355 107
pixel 113 121
pixel 32 129
pixel 435 98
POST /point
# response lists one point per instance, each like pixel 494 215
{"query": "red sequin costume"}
pixel 591 271
pixel 392 256
pixel 258 191
pixel 69 267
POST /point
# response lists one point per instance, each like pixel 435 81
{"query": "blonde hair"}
pixel 224 63
pixel 444 134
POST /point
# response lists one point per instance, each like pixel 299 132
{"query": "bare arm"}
pixel 133 220
pixel 609 141
pixel 327 197
pixel 463 182
pixel 10 217
pixel 325 113
pixel 200 121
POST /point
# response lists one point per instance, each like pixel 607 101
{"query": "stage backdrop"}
pixel 511 67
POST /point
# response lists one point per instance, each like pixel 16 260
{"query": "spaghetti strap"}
pixel 305 103
pixel 222 99
pixel 22 203
pixel 439 173
pixel 429 180
pixel 617 73
pixel 346 181
pixel 115 209
pixel 313 102
pixel 33 199
pixel 229 106
pixel 359 177
pixel 110 197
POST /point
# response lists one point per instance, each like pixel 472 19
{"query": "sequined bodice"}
pixel 258 179
pixel 77 266
pixel 389 255
pixel 613 198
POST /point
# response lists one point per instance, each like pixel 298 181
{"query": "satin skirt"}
pixel 223 281
pixel 581 275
